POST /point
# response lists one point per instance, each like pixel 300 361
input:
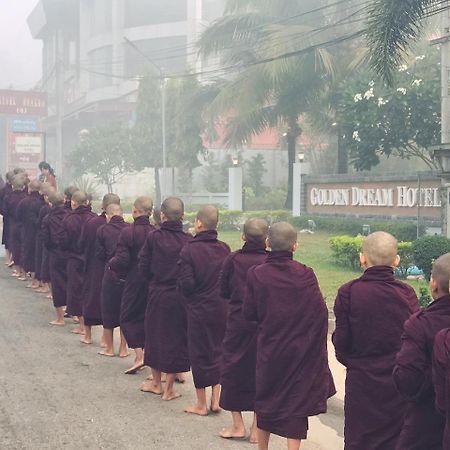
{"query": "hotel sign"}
pixel 386 198
pixel 23 103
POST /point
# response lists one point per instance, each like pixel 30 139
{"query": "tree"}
pixel 255 173
pixel 103 151
pixel 403 120
pixel 392 27
pixel 274 94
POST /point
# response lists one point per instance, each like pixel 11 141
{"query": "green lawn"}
pixel 315 252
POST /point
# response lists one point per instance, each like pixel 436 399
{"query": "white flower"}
pixel 372 84
pixel 369 94
pixel 417 82
pixel 403 68
pixel 420 58
pixel 401 90
pixel 356 137
pixel 357 98
pixel 382 101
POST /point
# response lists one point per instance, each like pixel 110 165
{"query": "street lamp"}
pixel 301 157
pixel 235 161
pixel 163 110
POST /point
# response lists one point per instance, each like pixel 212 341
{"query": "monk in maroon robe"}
pixel 113 282
pixel 42 255
pixel 293 380
pixel 4 193
pixel 69 235
pixel 165 319
pixel 51 225
pixel 15 229
pixel 134 297
pixel 28 213
pixel 200 264
pixel 238 366
pixel 423 426
pixel 93 269
pixel 370 312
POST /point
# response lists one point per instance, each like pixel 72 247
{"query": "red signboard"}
pixel 23 103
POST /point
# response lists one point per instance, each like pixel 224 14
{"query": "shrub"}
pixel 405 252
pixel 427 249
pixel 425 298
pixel 346 250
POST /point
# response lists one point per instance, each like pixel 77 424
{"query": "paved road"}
pixel 56 393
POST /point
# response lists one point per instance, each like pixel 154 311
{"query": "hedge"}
pixel 427 249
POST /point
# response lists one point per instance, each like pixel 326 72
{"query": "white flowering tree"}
pixel 403 120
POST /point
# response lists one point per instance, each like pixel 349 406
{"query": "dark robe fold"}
pixel 42 256
pixel 4 193
pixel 441 380
pixel 293 379
pixel 200 264
pixel 370 312
pixel 238 364
pixel 113 282
pixel 28 213
pixel 15 226
pixel 423 426
pixel 51 225
pixel 134 297
pixel 69 235
pixel 93 271
pixel 165 319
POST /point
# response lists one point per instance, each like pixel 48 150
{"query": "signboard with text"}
pixel 23 103
pixel 25 150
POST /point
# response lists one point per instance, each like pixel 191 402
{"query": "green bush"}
pixel 346 250
pixel 427 249
pixel 405 251
pixel 425 298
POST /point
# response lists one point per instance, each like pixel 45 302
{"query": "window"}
pixel 139 13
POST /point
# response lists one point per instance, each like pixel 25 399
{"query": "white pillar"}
pixel 235 188
pixel 297 190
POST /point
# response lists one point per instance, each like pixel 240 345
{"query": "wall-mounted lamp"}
pixel 235 161
pixel 301 157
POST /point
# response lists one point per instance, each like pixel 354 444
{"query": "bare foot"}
pixel 86 341
pixel 196 410
pixel 232 433
pixel 50 297
pixel 22 278
pixel 180 378
pixel 124 354
pixel 106 353
pixel 77 331
pixel 75 319
pixel 167 396
pixel 135 368
pixel 253 439
pixel 57 323
pixel 149 386
pixel 215 409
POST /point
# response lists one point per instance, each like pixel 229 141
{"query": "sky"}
pixel 20 54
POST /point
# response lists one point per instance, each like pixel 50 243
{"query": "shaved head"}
pixel 18 170
pixel 110 199
pixel 173 208
pixel 282 237
pixel 34 186
pixel 209 217
pixel 380 249
pixel 114 210
pixel 56 198
pixel 256 230
pixel 144 206
pixel 80 198
pixel 18 182
pixel 441 272
pixel 10 176
pixel 69 191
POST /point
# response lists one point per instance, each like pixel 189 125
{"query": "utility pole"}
pixel 163 111
pixel 59 94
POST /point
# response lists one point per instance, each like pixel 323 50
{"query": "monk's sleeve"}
pixel 100 248
pixel 439 373
pixel 226 277
pixel 249 307
pixel 412 371
pixel 186 279
pixel 120 262
pixel 64 236
pixel 342 336
pixel 45 231
pixel 145 258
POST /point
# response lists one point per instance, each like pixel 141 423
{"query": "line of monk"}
pixel 251 325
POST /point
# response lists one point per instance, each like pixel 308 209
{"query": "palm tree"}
pixel 274 94
pixel 392 27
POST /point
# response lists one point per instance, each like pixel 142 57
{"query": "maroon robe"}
pixel 15 226
pixel 51 225
pixel 370 312
pixel 69 234
pixel 238 366
pixel 200 263
pixel 165 319
pixel 293 380
pixel 423 426
pixel 112 283
pixel 93 271
pixel 134 297
pixel 441 379
pixel 28 213
pixel 4 193
pixel 42 256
